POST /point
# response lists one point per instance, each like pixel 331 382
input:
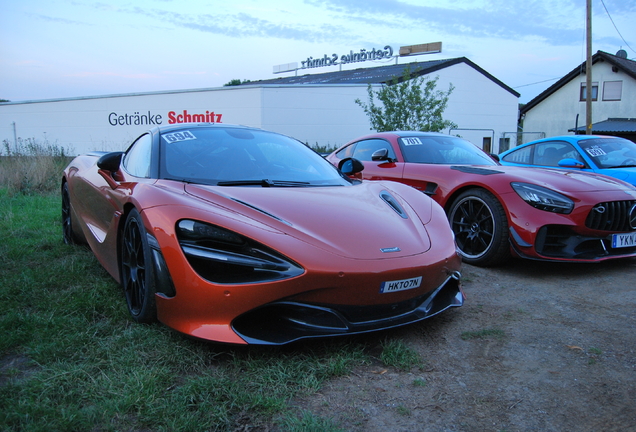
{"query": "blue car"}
pixel 612 156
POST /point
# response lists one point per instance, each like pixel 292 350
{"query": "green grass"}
pixel 72 359
pixel 419 382
pixel 398 354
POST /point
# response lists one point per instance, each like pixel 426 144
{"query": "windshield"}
pixel 243 157
pixel 610 152
pixel 443 150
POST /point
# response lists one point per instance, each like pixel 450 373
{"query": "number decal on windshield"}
pixel 179 136
pixel 411 141
pixel 595 151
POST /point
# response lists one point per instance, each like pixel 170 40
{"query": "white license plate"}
pixel 400 285
pixel 624 240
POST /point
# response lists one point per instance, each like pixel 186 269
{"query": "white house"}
pixel 318 109
pixel 560 109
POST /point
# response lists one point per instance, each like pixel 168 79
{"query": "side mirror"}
pixel 110 161
pixel 380 154
pixel 494 156
pixel 350 166
pixel 571 163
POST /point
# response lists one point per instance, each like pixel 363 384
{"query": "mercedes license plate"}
pixel 624 240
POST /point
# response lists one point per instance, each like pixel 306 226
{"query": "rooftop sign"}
pixel 427 48
pixel 352 57
pixel 360 56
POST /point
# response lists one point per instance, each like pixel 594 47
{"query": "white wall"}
pixel 326 115
pixel 478 103
pixel 557 113
pixel 84 124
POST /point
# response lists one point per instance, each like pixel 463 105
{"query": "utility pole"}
pixel 588 71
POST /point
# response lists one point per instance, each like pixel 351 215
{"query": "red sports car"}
pixel 497 211
pixel 240 235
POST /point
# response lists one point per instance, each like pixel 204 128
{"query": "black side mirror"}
pixel 380 154
pixel 110 161
pixel 350 166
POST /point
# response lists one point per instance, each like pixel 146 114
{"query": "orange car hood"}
pixel 350 221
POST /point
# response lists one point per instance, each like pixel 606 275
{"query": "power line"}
pixel 619 33
pixel 538 82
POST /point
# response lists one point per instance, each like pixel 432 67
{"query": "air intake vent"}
pixel 388 198
pixel 610 216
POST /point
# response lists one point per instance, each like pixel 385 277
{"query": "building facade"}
pixel 561 109
pixel 317 109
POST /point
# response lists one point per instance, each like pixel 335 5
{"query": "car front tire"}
pixel 480 225
pixel 137 276
pixel 68 235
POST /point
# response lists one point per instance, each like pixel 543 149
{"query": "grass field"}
pixel 72 359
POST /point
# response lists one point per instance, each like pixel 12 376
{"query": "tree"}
pixel 408 104
pixel 236 82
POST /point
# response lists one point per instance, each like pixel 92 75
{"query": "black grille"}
pixel 610 216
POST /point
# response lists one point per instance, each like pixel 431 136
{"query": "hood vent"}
pixel 388 198
pixel 262 211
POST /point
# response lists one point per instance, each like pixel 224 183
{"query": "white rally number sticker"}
pixel 411 141
pixel 179 136
pixel 595 151
pixel 400 285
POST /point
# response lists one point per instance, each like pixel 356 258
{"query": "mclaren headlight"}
pixel 543 198
pixel 223 256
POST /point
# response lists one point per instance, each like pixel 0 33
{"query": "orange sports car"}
pixel 244 236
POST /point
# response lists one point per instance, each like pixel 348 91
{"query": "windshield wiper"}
pixel 263 183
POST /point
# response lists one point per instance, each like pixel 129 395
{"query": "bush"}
pixel 29 166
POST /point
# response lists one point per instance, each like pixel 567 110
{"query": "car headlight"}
pixel 223 256
pixel 543 198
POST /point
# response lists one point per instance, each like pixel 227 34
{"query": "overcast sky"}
pixel 60 49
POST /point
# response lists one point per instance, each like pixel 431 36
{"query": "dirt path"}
pixel 537 347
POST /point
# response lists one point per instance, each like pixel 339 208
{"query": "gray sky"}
pixel 59 49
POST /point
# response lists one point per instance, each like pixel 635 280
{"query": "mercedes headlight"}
pixel 543 198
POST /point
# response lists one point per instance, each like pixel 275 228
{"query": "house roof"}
pixel 625 65
pixel 380 74
pixel 610 126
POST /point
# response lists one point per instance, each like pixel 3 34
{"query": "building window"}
pixel 612 90
pixel 594 91
pixel 486 144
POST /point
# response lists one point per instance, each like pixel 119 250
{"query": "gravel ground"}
pixel 536 347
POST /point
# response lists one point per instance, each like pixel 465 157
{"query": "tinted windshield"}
pixel 443 150
pixel 231 155
pixel 610 152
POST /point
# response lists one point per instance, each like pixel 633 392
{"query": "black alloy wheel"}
pixel 480 225
pixel 68 235
pixel 137 276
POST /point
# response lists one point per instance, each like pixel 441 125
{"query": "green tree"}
pixel 408 103
pixel 235 82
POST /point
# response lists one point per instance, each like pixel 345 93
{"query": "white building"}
pixel 561 108
pixel 318 109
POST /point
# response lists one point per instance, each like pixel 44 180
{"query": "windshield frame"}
pixel 596 149
pixel 442 150
pixel 242 157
